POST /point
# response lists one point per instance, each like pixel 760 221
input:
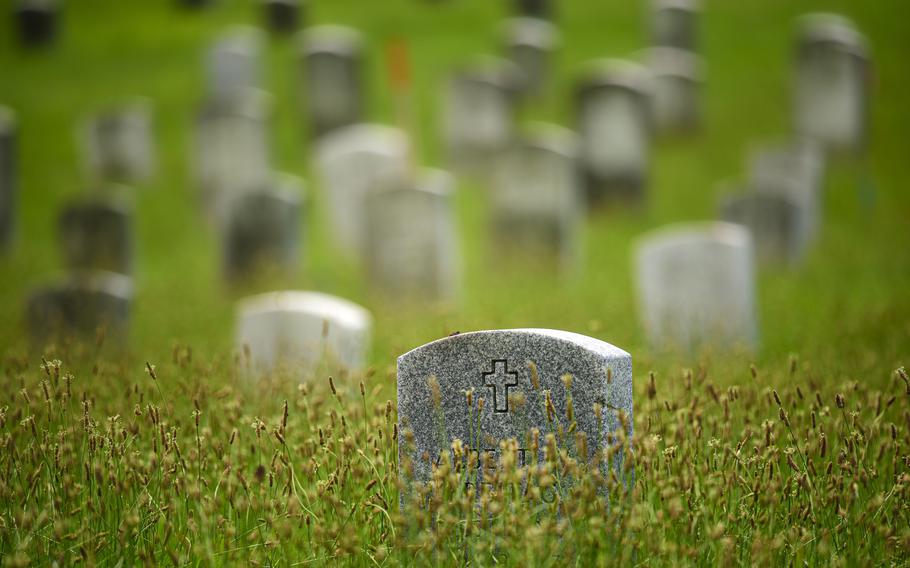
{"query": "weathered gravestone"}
pixel 614 124
pixel 678 79
pixel 521 377
pixel 831 83
pixel 332 62
pixel 696 286
pixel 262 230
pixel 537 201
pixel 302 332
pixel 282 16
pixel 232 151
pixel 81 305
pixel 97 234
pixel 534 8
pixel 9 176
pixel 232 63
pixel 411 239
pixel 118 144
pixel 38 21
pixel 352 162
pixel 674 23
pixel 779 224
pixel 478 121
pixel 530 43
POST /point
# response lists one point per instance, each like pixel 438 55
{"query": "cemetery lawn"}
pixel 797 454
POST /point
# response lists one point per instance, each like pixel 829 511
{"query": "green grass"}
pixel 845 313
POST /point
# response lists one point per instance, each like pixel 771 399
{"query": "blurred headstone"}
pixel 282 16
pixel 832 75
pixel 38 21
pixel 81 305
pixel 537 201
pixel 614 124
pixel 232 150
pixel 412 241
pixel 9 177
pixel 332 59
pixel 478 119
pixel 352 162
pixel 232 63
pixel 528 379
pixel 302 332
pixel 779 224
pixel 696 286
pixel 534 8
pixel 119 144
pixel 262 230
pixel 795 170
pixel 674 23
pixel 678 79
pixel 530 44
pixel 97 234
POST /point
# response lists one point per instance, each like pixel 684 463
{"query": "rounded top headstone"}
pixel 831 30
pixel 330 38
pixel 615 74
pixel 696 232
pixel 317 304
pixel 532 32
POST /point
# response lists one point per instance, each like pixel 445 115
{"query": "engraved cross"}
pixel 500 379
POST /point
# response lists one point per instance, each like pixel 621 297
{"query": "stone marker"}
pixel 696 286
pixel 232 150
pixel 678 79
pixel 614 124
pixel 9 177
pixel 262 230
pixel 79 306
pixel 412 242
pixel 537 201
pixel 38 21
pixel 534 8
pixel 496 366
pixel 118 144
pixel 674 23
pixel 352 162
pixel 478 121
pixel 332 63
pixel 530 43
pixel 779 224
pixel 302 332
pixel 232 63
pixel 832 76
pixel 282 16
pixel 97 234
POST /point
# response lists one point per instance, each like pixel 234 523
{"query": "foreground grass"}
pixel 174 467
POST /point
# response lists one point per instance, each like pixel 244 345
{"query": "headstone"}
pixel 232 150
pixel 97 234
pixel 530 44
pixel 302 332
pixel 675 24
pixel 534 8
pixel 516 372
pixel 537 201
pixel 678 79
pixel 779 224
pixel 282 16
pixel 38 21
pixel 119 144
pixel 614 124
pixel 352 162
pixel 333 67
pixel 262 231
pixel 412 241
pixel 9 177
pixel 79 306
pixel 831 95
pixel 232 63
pixel 696 286
pixel 478 119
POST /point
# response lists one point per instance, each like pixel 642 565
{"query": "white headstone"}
pixel 674 23
pixel 412 241
pixel 351 163
pixel 530 44
pixel 118 143
pixel 696 286
pixel 232 63
pixel 303 332
pixel 678 78
pixel 332 61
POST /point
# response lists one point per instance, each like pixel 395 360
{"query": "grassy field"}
pixel 103 461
